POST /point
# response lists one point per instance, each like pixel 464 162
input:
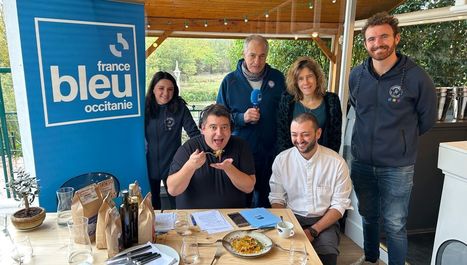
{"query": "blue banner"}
pixel 84 69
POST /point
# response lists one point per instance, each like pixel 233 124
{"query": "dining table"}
pixel 50 242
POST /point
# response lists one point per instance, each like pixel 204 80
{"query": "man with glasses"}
pixel 213 170
pixel 395 103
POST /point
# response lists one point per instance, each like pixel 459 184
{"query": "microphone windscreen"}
pixel 255 96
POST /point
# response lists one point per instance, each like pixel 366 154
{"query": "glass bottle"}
pixel 126 217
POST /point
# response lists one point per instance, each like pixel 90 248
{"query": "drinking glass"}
pixel 297 253
pixel 64 196
pixel 189 251
pixel 21 251
pixel 79 247
pixel 182 224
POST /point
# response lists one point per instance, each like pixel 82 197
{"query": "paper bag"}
pixel 86 202
pixel 113 232
pixel 146 222
pixel 107 204
pixel 107 186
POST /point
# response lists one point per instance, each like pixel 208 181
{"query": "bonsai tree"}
pixel 25 188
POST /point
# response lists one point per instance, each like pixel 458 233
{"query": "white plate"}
pixel 262 238
pixel 169 251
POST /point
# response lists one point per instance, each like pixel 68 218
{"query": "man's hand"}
pixel 197 159
pixel 224 165
pixel 308 235
pixel 240 180
pixel 251 115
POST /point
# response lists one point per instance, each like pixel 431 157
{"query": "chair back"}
pixel 84 180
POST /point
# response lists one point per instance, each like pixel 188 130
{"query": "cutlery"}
pixel 260 229
pixel 130 253
pixel 213 154
pixel 146 260
pixel 217 255
pixel 205 244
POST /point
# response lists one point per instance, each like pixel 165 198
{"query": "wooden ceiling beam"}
pixel 322 45
pixel 157 43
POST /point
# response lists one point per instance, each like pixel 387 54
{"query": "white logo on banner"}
pixel 104 89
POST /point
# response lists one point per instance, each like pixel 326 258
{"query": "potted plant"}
pixel 26 189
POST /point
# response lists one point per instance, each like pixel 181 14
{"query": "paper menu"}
pixel 211 221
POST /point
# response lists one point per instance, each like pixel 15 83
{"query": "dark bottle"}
pixel 126 216
pixel 134 218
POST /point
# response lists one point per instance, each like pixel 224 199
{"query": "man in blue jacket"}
pixel 395 103
pixel 255 124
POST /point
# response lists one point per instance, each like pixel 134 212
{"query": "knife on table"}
pixel 130 253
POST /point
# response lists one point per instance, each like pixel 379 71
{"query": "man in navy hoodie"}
pixel 255 124
pixel 395 103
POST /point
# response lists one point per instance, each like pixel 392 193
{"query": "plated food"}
pixel 247 244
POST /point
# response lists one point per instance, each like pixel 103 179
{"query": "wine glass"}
pixel 22 251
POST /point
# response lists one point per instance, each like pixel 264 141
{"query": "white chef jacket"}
pixel 311 187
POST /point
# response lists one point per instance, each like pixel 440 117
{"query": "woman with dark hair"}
pixel 166 114
pixel 306 92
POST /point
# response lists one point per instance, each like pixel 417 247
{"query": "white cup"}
pixel 285 229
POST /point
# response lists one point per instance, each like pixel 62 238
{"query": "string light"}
pixel 308 4
pixel 314 34
pixel 149 26
pixel 296 37
pixel 154 45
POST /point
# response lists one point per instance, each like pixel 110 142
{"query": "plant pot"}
pixel 34 219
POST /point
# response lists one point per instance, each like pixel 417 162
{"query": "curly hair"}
pixel 292 77
pixel 381 18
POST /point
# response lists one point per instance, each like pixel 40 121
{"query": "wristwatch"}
pixel 313 232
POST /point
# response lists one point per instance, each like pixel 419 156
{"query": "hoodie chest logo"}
pixel 271 83
pixel 169 123
pixel 395 94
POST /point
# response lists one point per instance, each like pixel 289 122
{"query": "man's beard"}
pixel 382 56
pixel 308 148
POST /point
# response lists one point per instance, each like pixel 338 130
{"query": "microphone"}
pixel 255 98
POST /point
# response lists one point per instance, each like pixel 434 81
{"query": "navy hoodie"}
pixel 234 93
pixel 392 110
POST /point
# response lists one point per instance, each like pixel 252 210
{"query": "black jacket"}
pixel 332 131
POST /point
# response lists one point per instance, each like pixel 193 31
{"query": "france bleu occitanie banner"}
pixel 81 66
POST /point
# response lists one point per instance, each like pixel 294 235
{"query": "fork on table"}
pixel 218 253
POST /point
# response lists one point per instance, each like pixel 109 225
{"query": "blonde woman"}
pixel 306 93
